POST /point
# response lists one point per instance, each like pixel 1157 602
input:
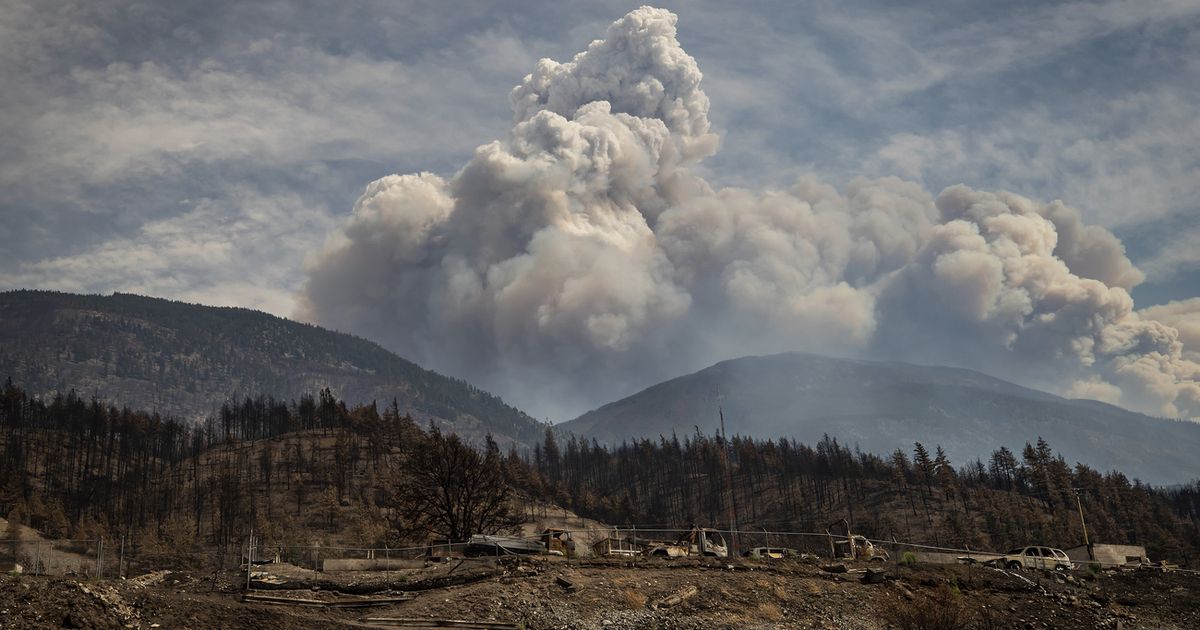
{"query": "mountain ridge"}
pixel 884 405
pixel 187 359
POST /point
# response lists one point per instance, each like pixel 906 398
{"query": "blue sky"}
pixel 204 150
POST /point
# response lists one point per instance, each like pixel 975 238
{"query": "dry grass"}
pixel 769 612
pixel 633 599
pixel 942 610
pixel 773 587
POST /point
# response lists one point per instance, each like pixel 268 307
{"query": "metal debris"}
pixel 567 584
pixel 677 599
pixel 874 576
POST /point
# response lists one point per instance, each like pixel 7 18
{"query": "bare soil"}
pixel 728 594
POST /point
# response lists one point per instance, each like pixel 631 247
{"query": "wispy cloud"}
pixel 1127 160
pixel 236 250
pixel 1179 253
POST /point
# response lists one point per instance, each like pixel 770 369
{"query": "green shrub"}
pixel 908 559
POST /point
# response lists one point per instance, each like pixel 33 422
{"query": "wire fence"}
pixel 105 558
pixel 56 557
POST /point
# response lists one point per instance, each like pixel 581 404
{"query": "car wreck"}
pixel 853 546
pixel 698 541
pixel 772 553
pixel 1033 557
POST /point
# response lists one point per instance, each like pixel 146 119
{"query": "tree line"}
pixel 316 469
pixel 915 495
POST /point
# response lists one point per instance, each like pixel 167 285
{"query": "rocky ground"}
pixel 545 593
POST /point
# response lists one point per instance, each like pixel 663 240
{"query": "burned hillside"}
pixel 321 472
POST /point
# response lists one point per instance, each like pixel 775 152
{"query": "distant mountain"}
pixel 186 359
pixel 882 406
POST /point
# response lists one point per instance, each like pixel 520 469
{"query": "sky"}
pixel 212 152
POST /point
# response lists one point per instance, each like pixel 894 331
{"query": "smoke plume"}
pixel 582 258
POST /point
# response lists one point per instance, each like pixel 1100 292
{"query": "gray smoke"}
pixel 1184 317
pixel 581 258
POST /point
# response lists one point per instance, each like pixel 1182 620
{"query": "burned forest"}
pixel 318 470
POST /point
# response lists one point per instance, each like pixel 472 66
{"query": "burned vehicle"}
pixel 772 553
pixel 853 546
pixel 698 541
pixel 859 548
pixel 1034 557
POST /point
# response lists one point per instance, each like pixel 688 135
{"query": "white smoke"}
pixel 1183 316
pixel 582 258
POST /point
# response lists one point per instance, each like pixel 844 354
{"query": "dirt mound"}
pixel 62 603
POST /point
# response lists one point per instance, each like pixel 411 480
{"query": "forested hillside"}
pixel 185 360
pixel 878 406
pixel 317 470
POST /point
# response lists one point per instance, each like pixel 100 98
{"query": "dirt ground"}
pixel 728 594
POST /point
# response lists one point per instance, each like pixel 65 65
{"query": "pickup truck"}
pixel 1034 557
pixel 700 541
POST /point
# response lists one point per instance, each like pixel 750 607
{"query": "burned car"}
pixel 853 546
pixel 773 553
pixel 1034 557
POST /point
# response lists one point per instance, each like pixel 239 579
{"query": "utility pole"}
pixel 1079 505
pixel 733 531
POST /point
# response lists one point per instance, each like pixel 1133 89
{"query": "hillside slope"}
pixel 881 406
pixel 186 359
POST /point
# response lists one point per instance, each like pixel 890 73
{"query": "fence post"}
pixel 121 559
pixel 249 556
pixel 635 544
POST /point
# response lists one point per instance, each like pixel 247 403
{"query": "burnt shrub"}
pixel 941 610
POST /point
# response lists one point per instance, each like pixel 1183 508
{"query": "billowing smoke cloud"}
pixel 581 258
pixel 1183 316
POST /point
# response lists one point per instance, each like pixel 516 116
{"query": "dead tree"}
pixel 446 488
